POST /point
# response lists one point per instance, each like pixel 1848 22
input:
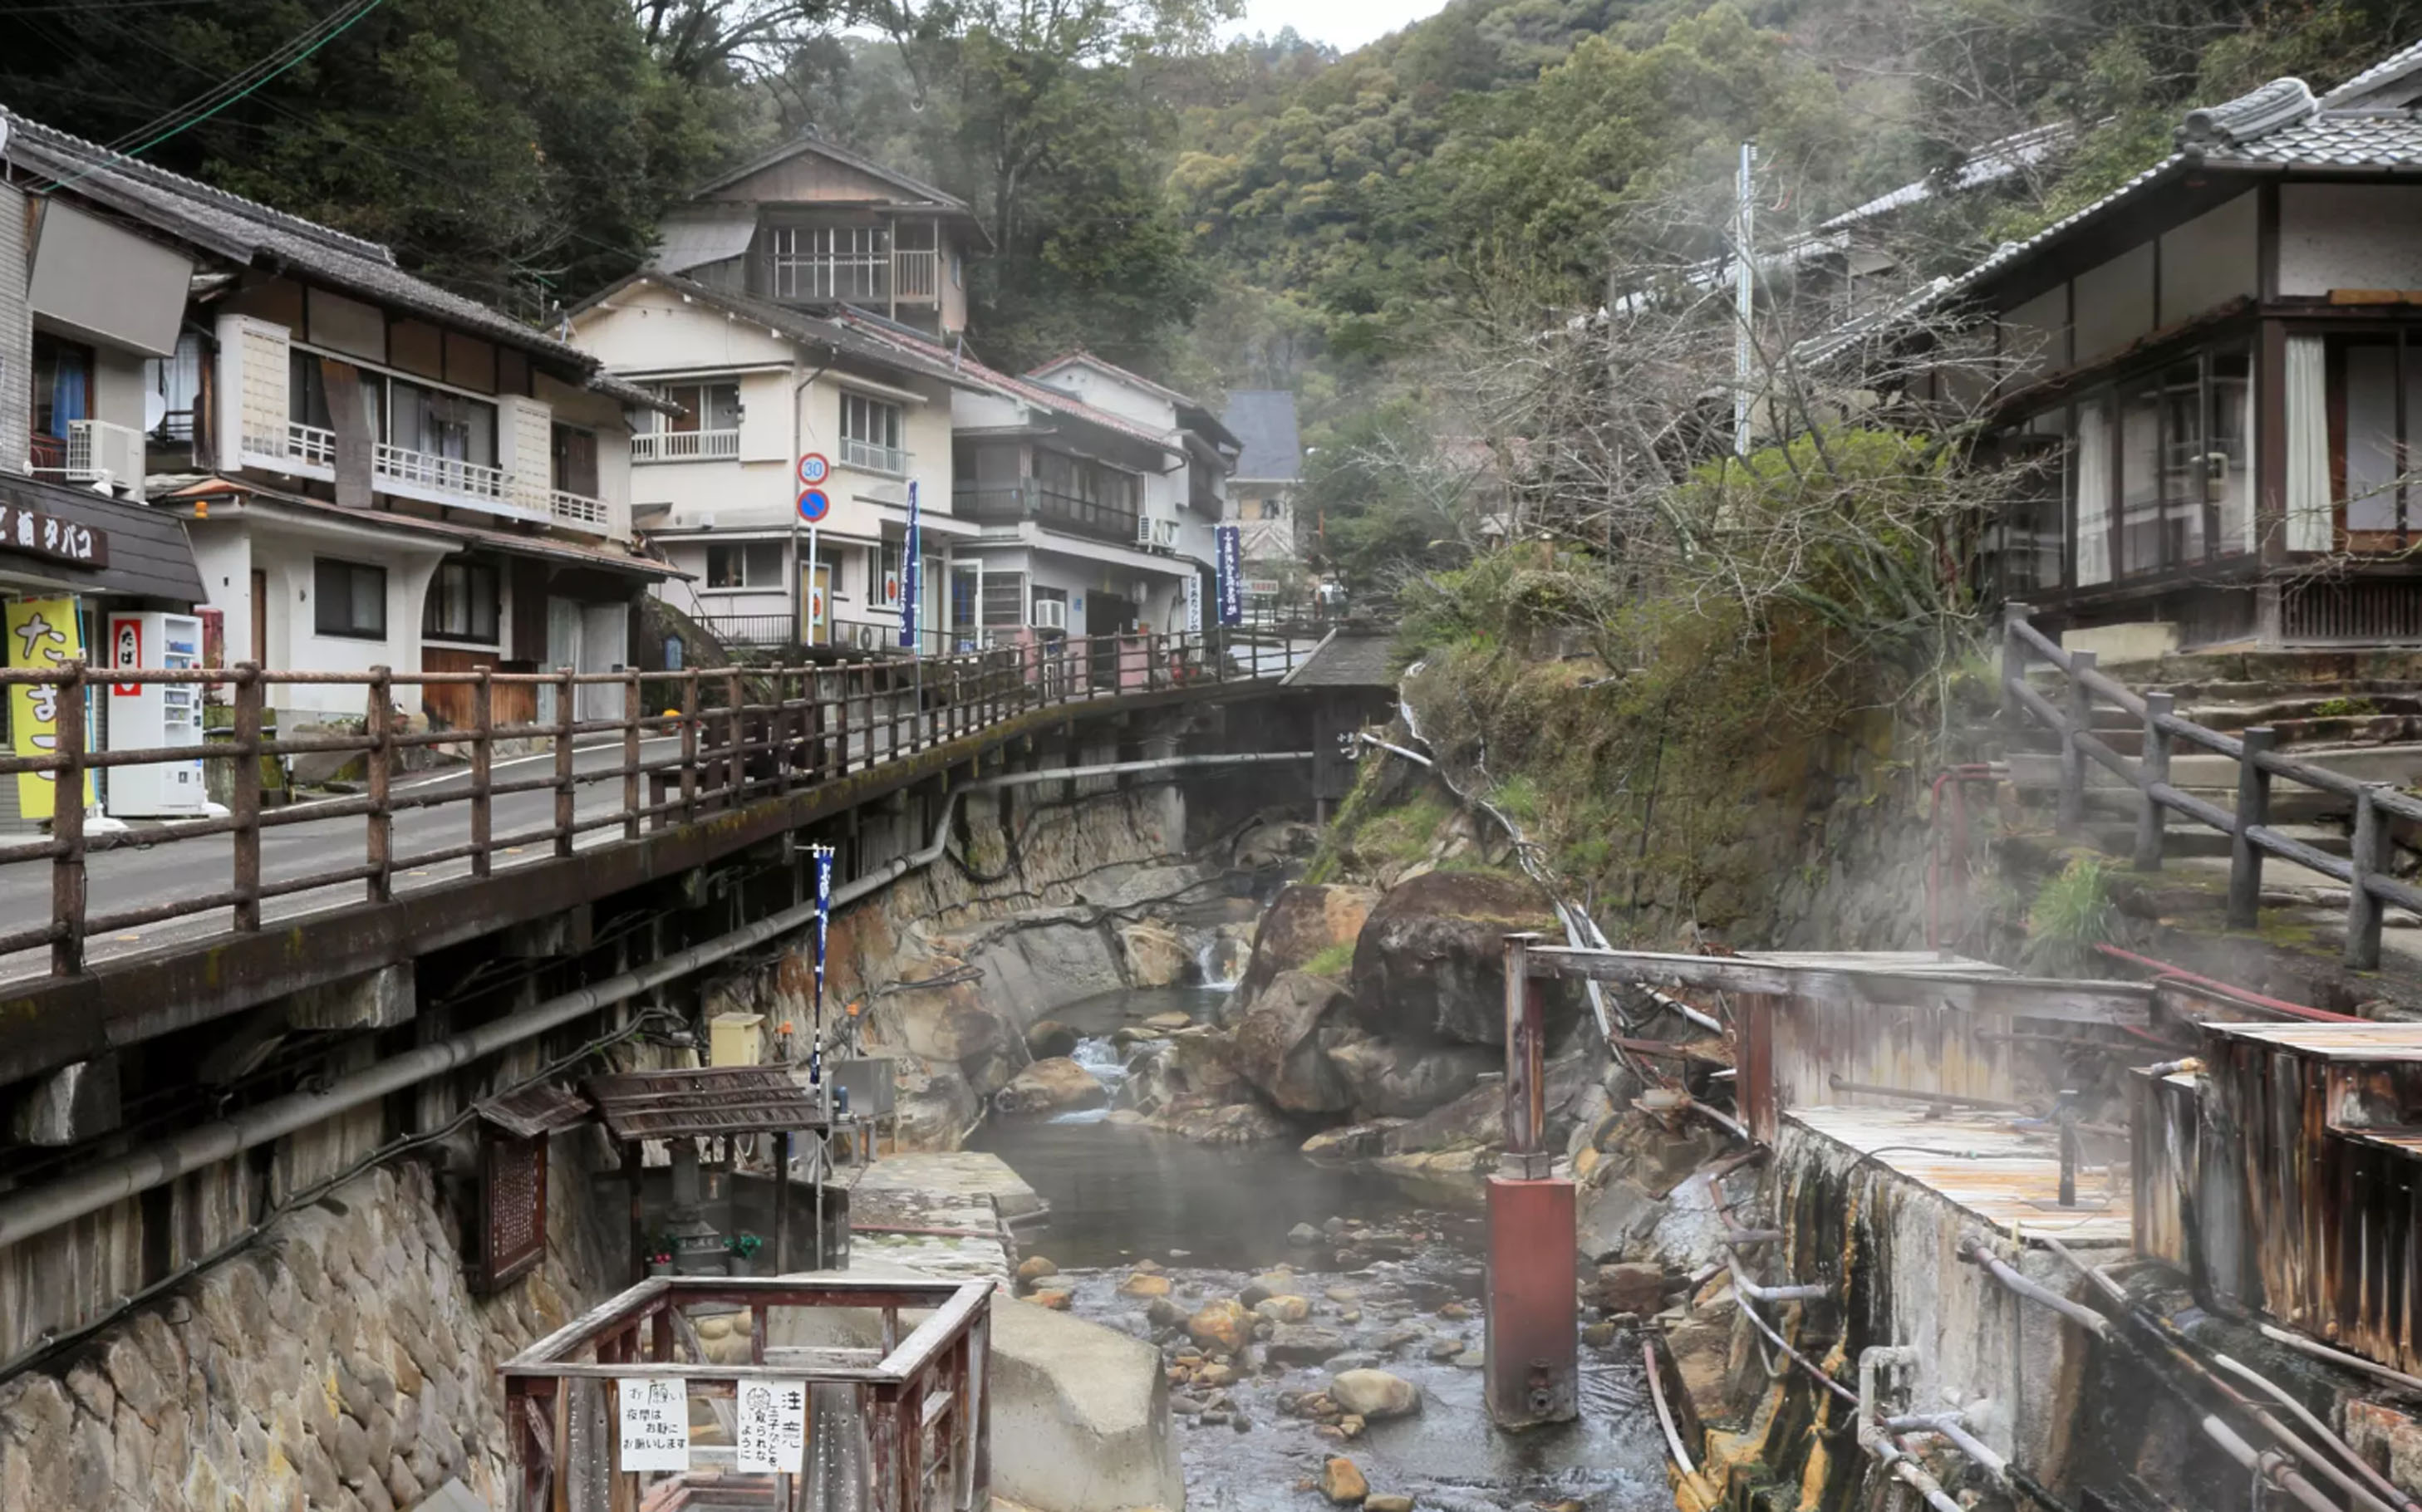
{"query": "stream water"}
pixel 1407 1279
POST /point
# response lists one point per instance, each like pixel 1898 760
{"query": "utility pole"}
pixel 1744 293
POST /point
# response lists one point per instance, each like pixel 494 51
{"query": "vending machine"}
pixel 147 716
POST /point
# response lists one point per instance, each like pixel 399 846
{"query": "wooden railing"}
pixel 724 737
pixel 908 1420
pixel 2370 883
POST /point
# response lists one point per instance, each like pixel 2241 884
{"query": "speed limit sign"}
pixel 813 469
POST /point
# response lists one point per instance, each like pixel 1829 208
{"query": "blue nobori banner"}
pixel 911 572
pixel 1231 574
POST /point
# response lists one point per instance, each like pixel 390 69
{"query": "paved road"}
pixel 128 877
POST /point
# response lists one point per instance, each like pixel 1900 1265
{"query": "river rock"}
pixel 1304 1236
pixel 1283 1309
pixel 1221 1324
pixel 1386 1504
pixel 1302 921
pixel 1303 1344
pixel 1057 1085
pixel 1240 1123
pixel 1279 1046
pixel 1392 1079
pixel 1631 1288
pixel 1342 1482
pixel 1051 1039
pixel 1035 1268
pixel 1170 1022
pixel 1274 844
pixel 1429 964
pixel 1154 955
pixel 1143 1284
pixel 1375 1394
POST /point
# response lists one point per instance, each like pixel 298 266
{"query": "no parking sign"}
pixel 813 504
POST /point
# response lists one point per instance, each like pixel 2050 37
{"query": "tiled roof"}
pixel 975 374
pixel 922 195
pixel 1270 448
pixel 2376 79
pixel 254 233
pixel 1351 656
pixel 798 325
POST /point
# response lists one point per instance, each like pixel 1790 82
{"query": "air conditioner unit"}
pixel 1147 529
pixel 1164 534
pixel 869 638
pixel 1051 614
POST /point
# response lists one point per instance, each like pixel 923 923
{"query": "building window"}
pixel 1004 600
pixel 440 424
pixel 574 460
pixel 351 599
pixel 817 264
pixel 2353 442
pixel 883 576
pixel 178 380
pixel 462 603
pixel 62 383
pixel 740 564
pixel 704 407
pixel 870 434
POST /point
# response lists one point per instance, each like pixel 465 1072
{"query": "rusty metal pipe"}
pixel 2283 1475
pixel 1973 1250
pixel 2339 1356
pixel 1664 1414
pixel 1724 1121
pixel 2382 1488
pixel 1952 1427
pixel 1793 1293
pixel 1876 1441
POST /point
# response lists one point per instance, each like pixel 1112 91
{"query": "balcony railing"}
pixel 451 475
pixel 685 446
pixel 917 274
pixel 872 458
pixel 1002 504
pixel 581 513
pixel 311 444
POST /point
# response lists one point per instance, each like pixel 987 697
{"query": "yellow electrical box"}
pixel 736 1039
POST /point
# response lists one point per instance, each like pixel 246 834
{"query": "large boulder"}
pixel 1429 965
pixel 1058 1085
pixel 1195 1068
pixel 1303 921
pixel 1155 956
pixel 1389 1079
pixel 1278 1044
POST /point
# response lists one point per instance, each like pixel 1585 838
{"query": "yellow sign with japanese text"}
pixel 41 633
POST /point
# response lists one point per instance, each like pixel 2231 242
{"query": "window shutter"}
pixel 252 403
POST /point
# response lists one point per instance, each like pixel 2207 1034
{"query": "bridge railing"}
pixel 678 745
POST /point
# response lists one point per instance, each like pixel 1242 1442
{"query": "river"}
pixel 1407 1300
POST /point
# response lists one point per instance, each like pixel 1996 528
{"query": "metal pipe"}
pixel 1672 1003
pixel 1876 1441
pixel 2294 1009
pixel 2339 1356
pixel 1665 1415
pixel 2382 1488
pixel 1724 1121
pixel 1973 1250
pixel 25 1214
pixel 1393 748
pixel 1798 1292
pixel 2270 1467
pixel 1950 1426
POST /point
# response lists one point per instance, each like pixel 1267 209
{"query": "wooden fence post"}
pixel 483 761
pixel 379 840
pixel 243 795
pixel 630 715
pixel 2253 809
pixel 2152 765
pixel 67 821
pixel 2072 755
pixel 2014 664
pixel 566 695
pixel 2371 854
pixel 689 745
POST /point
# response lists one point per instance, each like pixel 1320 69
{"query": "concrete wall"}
pixel 2348 236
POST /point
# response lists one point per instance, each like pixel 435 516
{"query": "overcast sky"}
pixel 1344 24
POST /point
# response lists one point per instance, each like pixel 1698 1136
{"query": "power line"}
pixel 89 6
pixel 187 116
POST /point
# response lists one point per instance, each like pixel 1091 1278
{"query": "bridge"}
pixel 110 938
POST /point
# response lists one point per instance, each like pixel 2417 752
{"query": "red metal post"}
pixel 1532 1353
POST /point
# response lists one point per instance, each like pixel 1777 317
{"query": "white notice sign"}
pixel 773 1426
pixel 655 1422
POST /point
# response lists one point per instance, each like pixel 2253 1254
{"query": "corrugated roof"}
pixel 734 1099
pixel 536 1109
pixel 691 236
pixel 2333 1042
pixel 1347 656
pixel 257 235
pixel 1269 446
pixel 149 556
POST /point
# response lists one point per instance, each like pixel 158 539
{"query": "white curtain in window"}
pixel 2093 494
pixel 2307 399
pixel 2237 498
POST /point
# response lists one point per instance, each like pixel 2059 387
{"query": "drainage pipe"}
pixel 2339 1356
pixel 1951 1426
pixel 25 1214
pixel 1876 1441
pixel 1393 748
pixel 2220 988
pixel 1973 1252
pixel 2382 1487
pixel 2270 1467
pixel 1802 1293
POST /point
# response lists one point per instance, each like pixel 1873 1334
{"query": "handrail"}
pixel 630 752
pixel 2247 822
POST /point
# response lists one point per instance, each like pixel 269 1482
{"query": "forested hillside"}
pixel 1262 211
